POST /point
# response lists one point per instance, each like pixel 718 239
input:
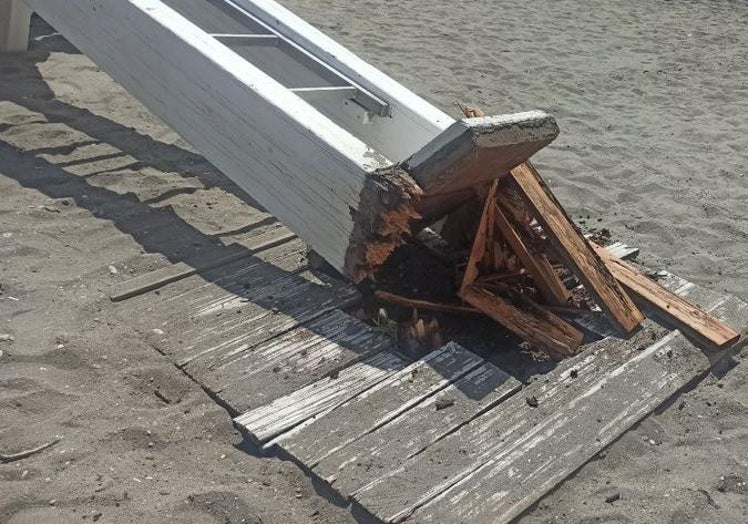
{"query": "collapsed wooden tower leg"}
pixel 574 249
pixel 15 18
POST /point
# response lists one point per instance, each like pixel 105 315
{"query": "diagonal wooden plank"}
pixel 269 421
pixel 457 458
pixel 686 315
pixel 382 451
pixel 255 375
pixel 561 434
pixel 572 246
pixel 420 480
pixel 199 264
pixel 379 405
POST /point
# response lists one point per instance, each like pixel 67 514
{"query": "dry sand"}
pixel 652 99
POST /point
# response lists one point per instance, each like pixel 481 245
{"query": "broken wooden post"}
pixel 15 18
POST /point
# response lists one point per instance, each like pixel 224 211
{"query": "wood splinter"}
pixel 517 313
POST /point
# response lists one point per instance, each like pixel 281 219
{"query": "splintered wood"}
pixel 525 242
pixel 530 269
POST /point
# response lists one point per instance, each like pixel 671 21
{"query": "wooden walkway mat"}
pixel 283 414
pixel 255 375
pixel 238 305
pixel 447 439
pixel 381 405
pixel 495 467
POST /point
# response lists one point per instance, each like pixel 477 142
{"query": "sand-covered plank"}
pixel 269 421
pixel 237 305
pixel 375 454
pixel 254 375
pixel 575 383
pixel 560 434
pixel 379 405
pixel 199 264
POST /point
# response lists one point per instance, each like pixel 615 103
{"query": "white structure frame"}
pixel 331 160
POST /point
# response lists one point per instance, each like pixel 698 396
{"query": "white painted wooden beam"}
pixel 15 18
pixel 304 168
pixel 421 119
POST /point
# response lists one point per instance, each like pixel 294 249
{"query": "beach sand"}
pixel 651 98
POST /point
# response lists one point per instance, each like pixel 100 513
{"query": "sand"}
pixel 652 103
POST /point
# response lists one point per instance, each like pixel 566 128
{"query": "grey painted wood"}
pixel 269 421
pixel 382 451
pixel 379 405
pixel 199 264
pixel 240 304
pixel 216 16
pixel 560 435
pixel 613 385
pixel 252 376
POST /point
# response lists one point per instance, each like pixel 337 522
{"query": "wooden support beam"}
pixel 573 247
pixel 15 18
pixel 328 186
pixel 532 323
pixel 686 315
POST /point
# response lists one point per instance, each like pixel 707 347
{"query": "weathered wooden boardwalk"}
pixel 449 438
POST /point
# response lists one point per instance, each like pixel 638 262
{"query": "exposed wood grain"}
pixel 380 452
pixel 203 262
pixel 239 305
pixel 381 404
pixel 478 248
pixel 611 381
pixel 685 314
pixel 424 304
pixel 269 421
pixel 555 438
pixel 579 256
pixel 475 151
pixel 249 376
pixel 535 262
pixel 530 322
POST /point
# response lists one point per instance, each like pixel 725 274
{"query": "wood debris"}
pixel 531 270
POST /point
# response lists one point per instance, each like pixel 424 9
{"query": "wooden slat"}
pixel 379 405
pixel 684 314
pixel 221 327
pixel 530 322
pixel 203 262
pixel 585 403
pixel 380 452
pixel 271 420
pixel 555 438
pixel 249 376
pixel 572 246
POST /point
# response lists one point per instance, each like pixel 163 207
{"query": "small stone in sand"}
pixel 610 499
